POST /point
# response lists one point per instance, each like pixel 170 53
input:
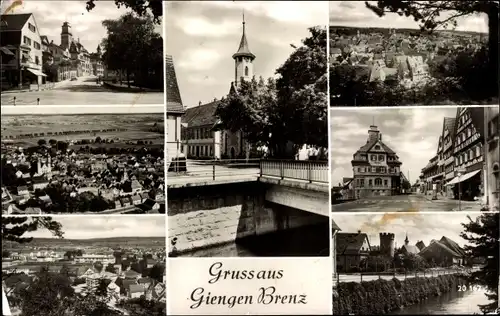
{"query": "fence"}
pixel 371 276
pixel 214 168
pixel 306 170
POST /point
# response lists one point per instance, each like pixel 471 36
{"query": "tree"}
pixel 413 262
pixel 302 94
pixel 42 142
pixel 430 15
pixel 13 228
pixel 98 140
pixel 129 41
pixel 248 109
pixel 140 7
pixel 482 234
pixel 52 142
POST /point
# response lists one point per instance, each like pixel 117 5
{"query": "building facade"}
pixel 376 168
pixel 492 170
pixel 457 168
pixel 21 49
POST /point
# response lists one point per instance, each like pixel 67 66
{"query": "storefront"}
pixel 468 184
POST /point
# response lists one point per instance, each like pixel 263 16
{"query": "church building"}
pixel 201 138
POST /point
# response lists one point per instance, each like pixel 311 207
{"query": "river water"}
pixel 305 241
pixel 450 303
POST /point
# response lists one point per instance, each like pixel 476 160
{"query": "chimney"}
pixel 199 103
pixel 359 231
pixel 380 136
pixel 373 133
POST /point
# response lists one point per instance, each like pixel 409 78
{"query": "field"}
pixel 136 126
pixel 127 242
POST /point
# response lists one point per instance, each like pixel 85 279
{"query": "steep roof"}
pixel 243 49
pixel 446 245
pixel 452 245
pixel 411 249
pixel 350 243
pixel 201 115
pixel 174 100
pixel 14 22
pixel 449 124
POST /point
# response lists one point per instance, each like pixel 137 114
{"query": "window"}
pixel 374 157
pixel 374 169
pixel 37 60
pixel 377 147
pixel 381 157
pixel 27 40
pixel 246 70
pixel 385 182
pixel 362 183
pixel 469 155
pixel 391 170
pixel 31 27
pixel 378 181
pixel 370 183
pixel 359 169
pixel 36 45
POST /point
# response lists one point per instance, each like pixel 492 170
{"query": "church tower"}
pixel 243 60
pixel 66 36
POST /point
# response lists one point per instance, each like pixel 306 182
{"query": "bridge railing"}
pixel 306 170
pixel 213 168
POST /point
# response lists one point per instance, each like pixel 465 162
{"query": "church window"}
pixel 246 70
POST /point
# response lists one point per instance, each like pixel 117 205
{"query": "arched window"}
pixel 378 181
pixel 246 70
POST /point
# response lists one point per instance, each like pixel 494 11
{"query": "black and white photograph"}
pixel 415 159
pixel 399 53
pixel 81 52
pixel 247 131
pixel 109 162
pixel 66 266
pixel 415 263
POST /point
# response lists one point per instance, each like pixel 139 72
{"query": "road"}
pixel 404 203
pixel 203 173
pixel 84 91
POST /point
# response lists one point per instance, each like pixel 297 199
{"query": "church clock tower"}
pixel 243 60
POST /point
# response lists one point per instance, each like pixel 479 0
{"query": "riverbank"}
pixel 385 296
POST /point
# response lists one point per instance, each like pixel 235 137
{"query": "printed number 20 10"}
pixel 464 288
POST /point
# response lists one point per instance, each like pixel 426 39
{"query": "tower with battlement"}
pixel 387 244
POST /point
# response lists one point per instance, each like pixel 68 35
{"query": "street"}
pixel 83 91
pixel 405 203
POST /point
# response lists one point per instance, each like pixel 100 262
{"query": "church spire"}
pixel 406 239
pixel 243 50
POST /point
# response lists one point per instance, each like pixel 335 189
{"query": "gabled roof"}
pixel 452 245
pixel 201 115
pixel 366 147
pixel 411 249
pixel 174 100
pixel 14 22
pixel 350 243
pixel 449 124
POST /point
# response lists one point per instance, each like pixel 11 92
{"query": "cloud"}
pixel 203 36
pixel 356 14
pixel 418 226
pixel 86 26
pixel 413 133
pixel 90 226
pixel 199 59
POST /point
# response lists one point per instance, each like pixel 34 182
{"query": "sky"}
pixel 99 109
pixel 50 15
pixel 356 14
pixel 202 37
pixel 413 133
pixel 419 226
pixel 89 226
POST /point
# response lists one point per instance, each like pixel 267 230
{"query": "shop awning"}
pixel 6 51
pixel 463 177
pixel 36 72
